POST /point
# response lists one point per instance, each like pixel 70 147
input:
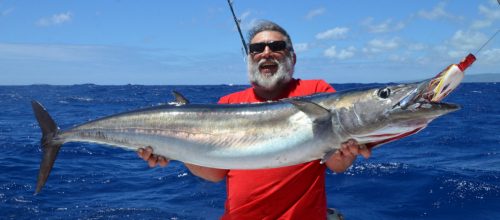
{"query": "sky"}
pixel 195 42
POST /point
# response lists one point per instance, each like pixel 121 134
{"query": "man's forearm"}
pixel 207 173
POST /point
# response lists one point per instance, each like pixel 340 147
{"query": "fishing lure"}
pixel 448 79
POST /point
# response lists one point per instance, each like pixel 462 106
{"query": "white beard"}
pixel 269 82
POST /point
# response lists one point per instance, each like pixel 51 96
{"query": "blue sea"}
pixel 450 170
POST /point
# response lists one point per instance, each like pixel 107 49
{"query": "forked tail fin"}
pixel 50 147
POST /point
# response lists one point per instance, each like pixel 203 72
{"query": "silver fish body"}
pixel 247 136
pixel 254 136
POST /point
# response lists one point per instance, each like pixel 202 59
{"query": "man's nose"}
pixel 267 52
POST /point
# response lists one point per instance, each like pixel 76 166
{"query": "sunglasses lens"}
pixel 273 45
pixel 257 47
pixel 277 45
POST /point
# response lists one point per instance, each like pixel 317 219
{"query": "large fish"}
pixel 254 136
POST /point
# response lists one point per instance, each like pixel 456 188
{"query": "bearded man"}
pixel 293 192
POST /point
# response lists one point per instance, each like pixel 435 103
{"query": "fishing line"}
pixel 490 37
pixel 488 40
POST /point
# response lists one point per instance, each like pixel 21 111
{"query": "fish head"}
pixel 381 115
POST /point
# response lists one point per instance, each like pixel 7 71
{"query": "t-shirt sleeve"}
pixel 237 97
pixel 323 86
pixel 223 100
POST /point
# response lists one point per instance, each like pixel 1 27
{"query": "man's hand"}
pixel 345 156
pixel 152 159
pixel 207 173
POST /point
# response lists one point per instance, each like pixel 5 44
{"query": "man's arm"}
pixel 207 173
pixel 345 156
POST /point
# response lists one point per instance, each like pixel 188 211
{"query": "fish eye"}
pixel 384 93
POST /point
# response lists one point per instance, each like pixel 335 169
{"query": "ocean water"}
pixel 450 170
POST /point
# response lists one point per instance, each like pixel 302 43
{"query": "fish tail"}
pixel 50 147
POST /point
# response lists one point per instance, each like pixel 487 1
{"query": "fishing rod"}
pixel 237 21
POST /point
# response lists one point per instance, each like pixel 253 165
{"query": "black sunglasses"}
pixel 273 45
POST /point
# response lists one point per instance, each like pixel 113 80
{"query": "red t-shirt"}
pixel 293 192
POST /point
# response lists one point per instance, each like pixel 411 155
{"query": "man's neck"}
pixel 272 94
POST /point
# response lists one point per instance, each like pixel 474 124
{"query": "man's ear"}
pixel 294 58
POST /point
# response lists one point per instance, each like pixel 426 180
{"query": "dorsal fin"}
pixel 179 98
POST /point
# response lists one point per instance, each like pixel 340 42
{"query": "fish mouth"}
pixel 409 120
pixel 433 90
pixel 418 103
pixel 386 138
pixel 423 96
pixel 413 112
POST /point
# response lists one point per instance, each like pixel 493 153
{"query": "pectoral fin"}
pixel 320 116
pixel 313 110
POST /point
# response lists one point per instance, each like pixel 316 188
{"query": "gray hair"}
pixel 265 25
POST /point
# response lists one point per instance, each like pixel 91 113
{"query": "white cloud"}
pixel 247 24
pixel 330 52
pixel 6 12
pixel 396 58
pixel 436 13
pixel 244 15
pixel 342 55
pixel 478 24
pixel 417 47
pixel 491 56
pixel 490 15
pixel 316 12
pixel 47 52
pixel 347 53
pixel 56 19
pixel 335 33
pixel 386 26
pixel 301 47
pixel 70 64
pixel 465 41
pixel 378 45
